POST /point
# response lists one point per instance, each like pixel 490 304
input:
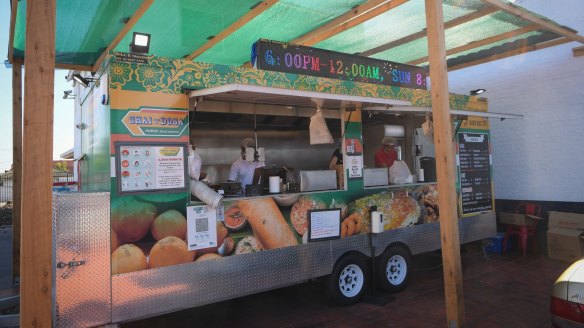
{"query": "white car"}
pixel 567 301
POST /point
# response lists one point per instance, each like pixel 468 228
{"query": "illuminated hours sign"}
pixel 291 58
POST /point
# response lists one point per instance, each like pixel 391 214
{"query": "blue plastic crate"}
pixel 495 244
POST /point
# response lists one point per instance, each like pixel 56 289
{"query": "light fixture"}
pixel 140 43
pixel 68 94
pixel 69 76
pixel 84 81
pixel 477 92
pixel 396 131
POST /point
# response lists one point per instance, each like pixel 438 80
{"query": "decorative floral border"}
pixel 167 75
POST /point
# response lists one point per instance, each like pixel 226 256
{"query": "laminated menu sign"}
pixel 170 167
pixel 201 227
pixel 144 168
pixel 355 166
pixel 474 164
pixel 353 147
pixel 324 224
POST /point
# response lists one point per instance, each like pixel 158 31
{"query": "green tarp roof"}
pixel 179 27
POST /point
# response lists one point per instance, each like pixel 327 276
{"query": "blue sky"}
pixel 63 119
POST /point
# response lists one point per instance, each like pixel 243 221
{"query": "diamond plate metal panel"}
pixel 426 237
pixel 478 227
pixel 360 243
pixel 152 292
pixel 81 232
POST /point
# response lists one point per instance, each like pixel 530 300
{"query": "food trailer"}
pixel 141 240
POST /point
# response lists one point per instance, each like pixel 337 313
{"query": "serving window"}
pixel 409 147
pixel 283 143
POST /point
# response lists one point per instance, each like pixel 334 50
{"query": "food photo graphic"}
pixel 151 233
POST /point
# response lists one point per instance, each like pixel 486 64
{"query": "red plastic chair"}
pixel 523 231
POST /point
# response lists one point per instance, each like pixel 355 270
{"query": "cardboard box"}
pixel 565 236
pixel 516 219
pixel 566 220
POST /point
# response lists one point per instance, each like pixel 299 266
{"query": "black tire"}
pixel 348 281
pixel 394 269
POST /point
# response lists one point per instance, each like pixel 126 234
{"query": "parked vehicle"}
pixel 567 300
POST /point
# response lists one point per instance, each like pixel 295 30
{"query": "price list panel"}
pixel 474 172
pixel 151 168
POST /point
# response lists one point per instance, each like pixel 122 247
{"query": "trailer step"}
pixel 9 308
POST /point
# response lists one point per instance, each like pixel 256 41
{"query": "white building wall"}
pixel 540 157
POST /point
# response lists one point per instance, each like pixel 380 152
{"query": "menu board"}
pixel 293 58
pixel 324 224
pixel 474 164
pixel 148 167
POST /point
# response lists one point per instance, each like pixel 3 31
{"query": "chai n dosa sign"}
pixel 156 122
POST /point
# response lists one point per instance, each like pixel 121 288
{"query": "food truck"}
pixel 143 237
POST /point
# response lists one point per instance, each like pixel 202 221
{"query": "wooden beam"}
pixel 37 154
pixel 253 13
pixel 16 164
pixel 13 13
pixel 483 42
pixel 525 15
pixel 578 51
pixel 351 14
pixel 74 67
pixel 451 23
pixel 71 67
pixel 470 17
pixel 510 53
pixel 445 165
pixel 354 22
pixel 133 20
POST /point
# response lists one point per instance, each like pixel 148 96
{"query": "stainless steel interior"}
pixel 280 124
pixel 279 119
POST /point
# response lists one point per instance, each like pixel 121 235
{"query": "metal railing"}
pixel 65 177
pixel 7 185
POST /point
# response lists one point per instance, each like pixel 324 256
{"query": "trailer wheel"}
pixel 394 269
pixel 347 284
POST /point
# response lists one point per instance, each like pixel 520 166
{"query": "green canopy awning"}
pixel 390 30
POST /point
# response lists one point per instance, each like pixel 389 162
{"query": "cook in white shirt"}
pixel 243 170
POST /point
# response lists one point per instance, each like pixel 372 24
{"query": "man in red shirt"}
pixel 387 154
